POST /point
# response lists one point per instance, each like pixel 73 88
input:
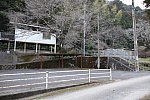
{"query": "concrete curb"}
pixel 33 93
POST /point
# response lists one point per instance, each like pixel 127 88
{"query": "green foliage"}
pixel 147 2
pixel 89 45
pixel 114 9
pixel 15 5
pixel 106 11
pixel 3 22
pixel 148 14
pixel 114 12
pixel 118 3
pixel 98 5
pixel 68 16
pixel 6 6
pixel 119 17
pixel 126 22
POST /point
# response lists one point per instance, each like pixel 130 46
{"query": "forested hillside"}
pixel 67 18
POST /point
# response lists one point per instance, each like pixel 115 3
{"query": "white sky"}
pixel 136 3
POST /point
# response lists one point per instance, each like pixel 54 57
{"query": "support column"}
pixel 15 45
pixel 36 49
pixel 8 48
pixel 39 48
pixel 51 49
pixel 55 49
pixel 25 47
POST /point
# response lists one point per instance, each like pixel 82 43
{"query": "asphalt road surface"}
pixel 117 75
pixel 40 78
pixel 128 89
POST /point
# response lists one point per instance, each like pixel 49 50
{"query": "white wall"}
pixel 33 37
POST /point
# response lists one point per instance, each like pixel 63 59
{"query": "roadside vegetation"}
pixel 146 60
pixel 147 97
pixel 71 89
pixel 65 18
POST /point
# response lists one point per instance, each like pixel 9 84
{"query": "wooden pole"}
pixel 76 62
pixel 81 62
pixel 59 61
pixel 62 61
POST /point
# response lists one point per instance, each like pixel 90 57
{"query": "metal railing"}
pixel 124 54
pixel 128 66
pixel 49 77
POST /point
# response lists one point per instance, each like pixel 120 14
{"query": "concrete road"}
pixel 129 89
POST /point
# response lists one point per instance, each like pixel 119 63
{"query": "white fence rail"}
pixel 48 77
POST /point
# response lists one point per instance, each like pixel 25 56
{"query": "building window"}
pixel 46 36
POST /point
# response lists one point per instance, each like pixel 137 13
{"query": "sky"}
pixel 136 3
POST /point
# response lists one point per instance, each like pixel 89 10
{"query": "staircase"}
pixel 120 64
pixel 119 59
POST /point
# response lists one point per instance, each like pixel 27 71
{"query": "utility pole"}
pixel 84 28
pixel 98 30
pixel 135 38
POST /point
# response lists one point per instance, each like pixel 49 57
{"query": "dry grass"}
pixel 147 97
pixel 147 60
pixel 72 89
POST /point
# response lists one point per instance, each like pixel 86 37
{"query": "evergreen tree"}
pixel 114 9
pixel 3 22
pixel 119 17
pixel 5 7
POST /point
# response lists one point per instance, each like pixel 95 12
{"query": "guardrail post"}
pixel 46 79
pixel 110 74
pixel 89 75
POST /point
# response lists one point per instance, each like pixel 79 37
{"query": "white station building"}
pixel 35 41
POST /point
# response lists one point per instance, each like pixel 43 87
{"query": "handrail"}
pixel 123 64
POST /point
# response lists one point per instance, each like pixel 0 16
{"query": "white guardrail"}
pixel 47 76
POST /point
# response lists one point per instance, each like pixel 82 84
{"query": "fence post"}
pixel 89 75
pixel 110 74
pixel 46 79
